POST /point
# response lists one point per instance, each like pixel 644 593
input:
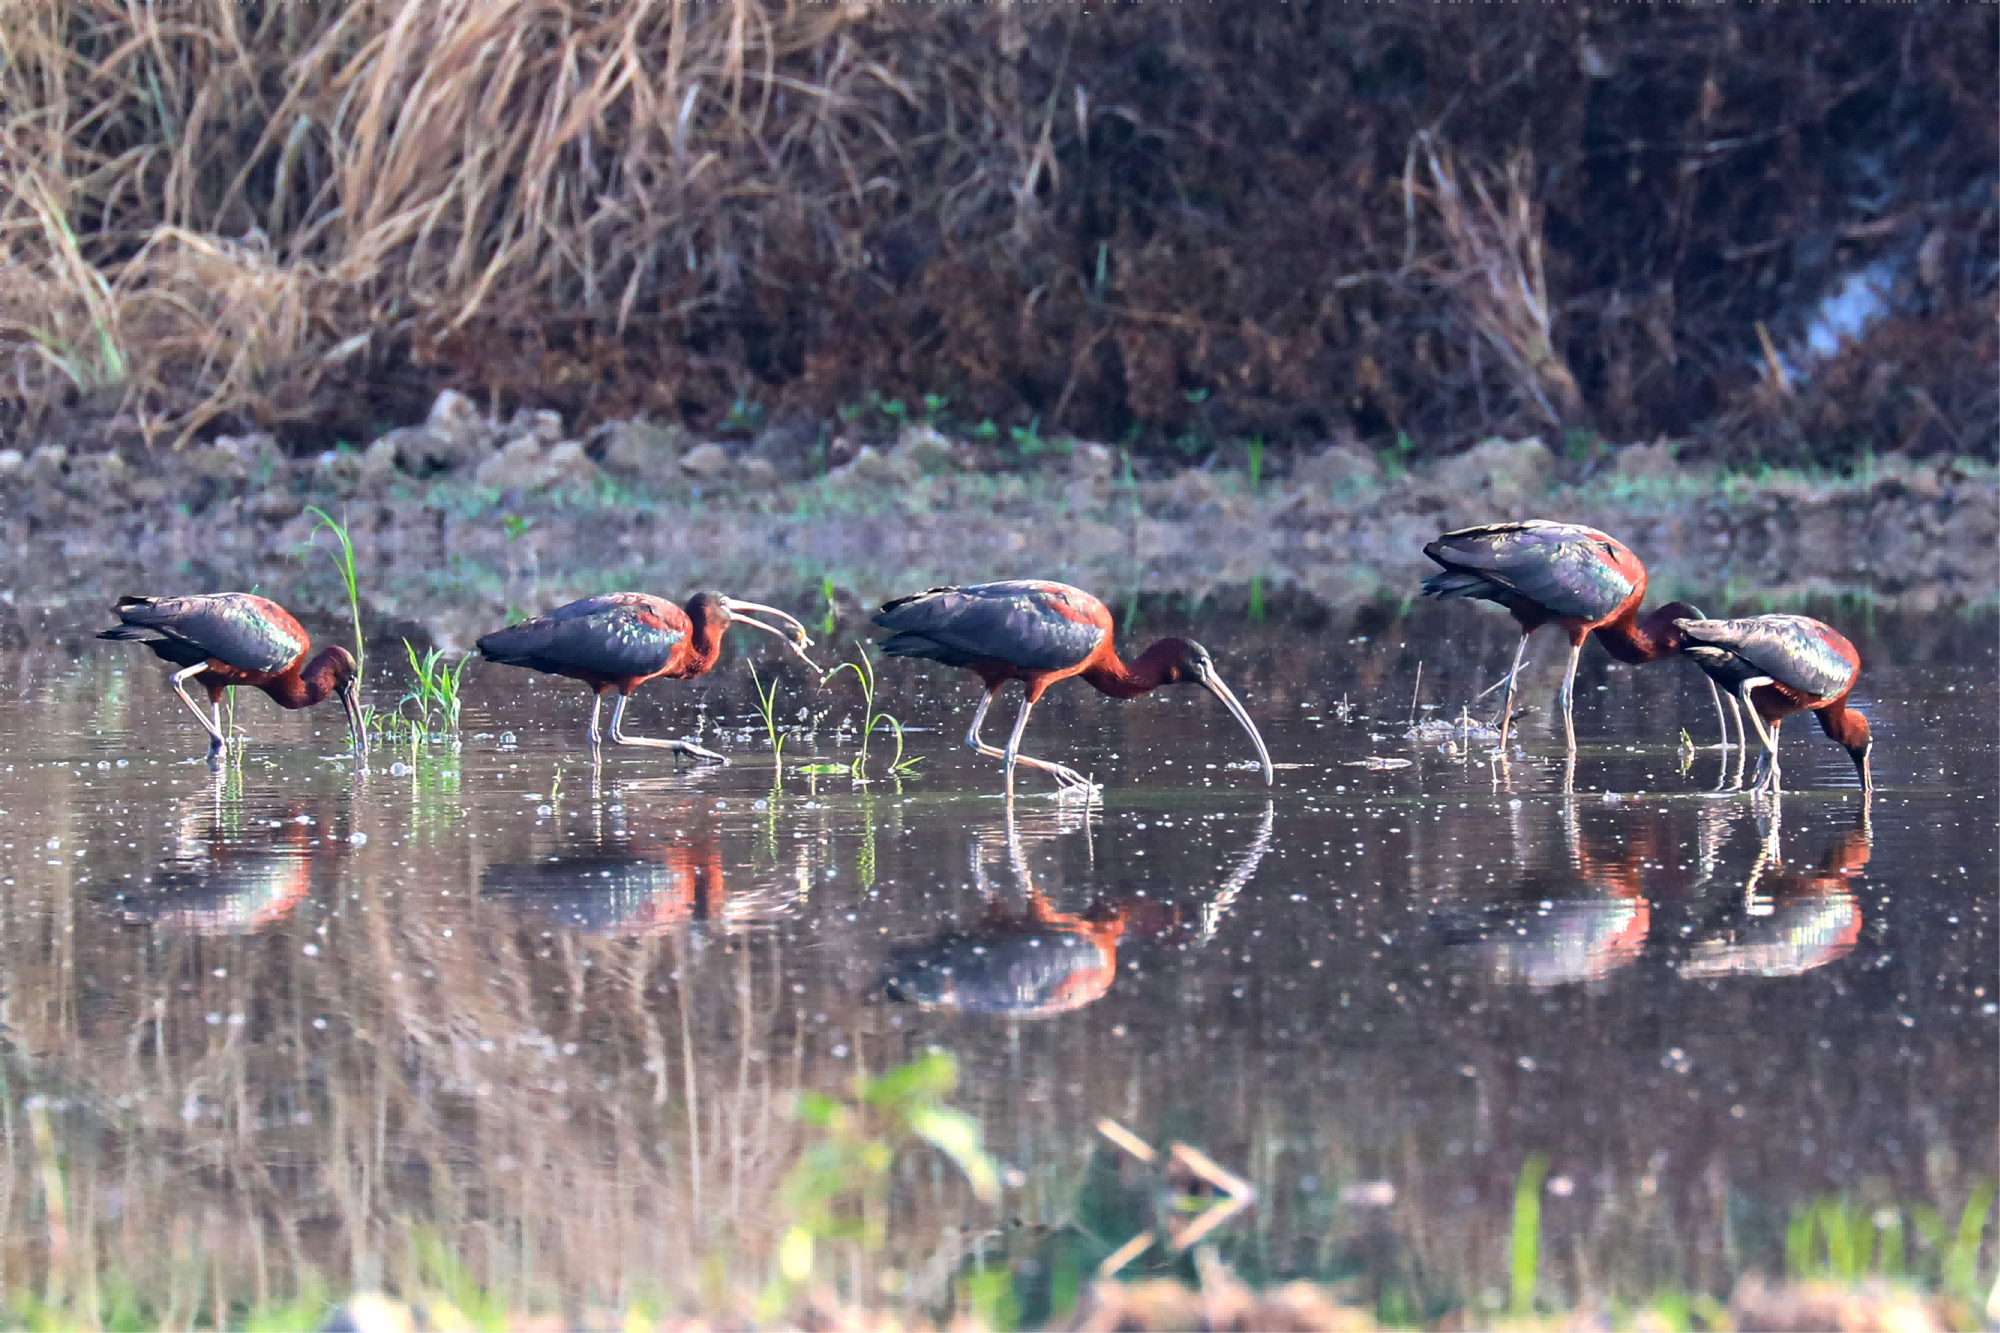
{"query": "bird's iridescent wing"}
pixel 1796 651
pixel 1566 568
pixel 1034 625
pixel 617 636
pixel 245 631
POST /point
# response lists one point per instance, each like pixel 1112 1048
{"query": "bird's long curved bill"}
pixel 795 638
pixel 1235 706
pixel 350 699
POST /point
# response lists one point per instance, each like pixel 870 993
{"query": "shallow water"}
pixel 280 1022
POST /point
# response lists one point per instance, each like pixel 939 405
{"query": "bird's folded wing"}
pixel 1020 624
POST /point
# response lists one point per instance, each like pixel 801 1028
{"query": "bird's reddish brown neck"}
pixel 1633 639
pixel 1148 671
pixel 1843 724
pixel 704 642
pixel 310 684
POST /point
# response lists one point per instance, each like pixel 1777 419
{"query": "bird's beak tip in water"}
pixel 1242 715
pixel 350 699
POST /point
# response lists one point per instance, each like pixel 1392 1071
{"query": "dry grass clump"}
pixel 1172 225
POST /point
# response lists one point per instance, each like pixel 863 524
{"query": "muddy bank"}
pixel 1224 1302
pixel 451 531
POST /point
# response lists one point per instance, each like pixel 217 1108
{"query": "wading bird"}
pixel 1563 574
pixel 1779 665
pixel 1039 632
pixel 236 638
pixel 621 640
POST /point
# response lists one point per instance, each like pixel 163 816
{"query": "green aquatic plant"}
pixel 1524 1250
pixel 343 561
pixel 831 620
pixel 767 708
pixel 864 672
pixel 838 1190
pixel 435 690
pixel 1843 1239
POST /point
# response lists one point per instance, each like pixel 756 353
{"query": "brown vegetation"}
pixel 1160 224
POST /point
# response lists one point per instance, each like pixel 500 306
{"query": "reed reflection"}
pixel 1029 959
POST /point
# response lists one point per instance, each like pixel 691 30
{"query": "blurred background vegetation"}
pixel 1768 231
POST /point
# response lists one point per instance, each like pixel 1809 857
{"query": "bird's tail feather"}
pixel 1454 583
pixel 130 633
pixel 909 645
pixel 510 646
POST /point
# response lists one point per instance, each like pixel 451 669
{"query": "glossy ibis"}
pixel 1039 632
pixel 237 638
pixel 621 640
pixel 1585 581
pixel 1778 665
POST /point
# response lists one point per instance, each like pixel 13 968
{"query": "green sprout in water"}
pixel 435 690
pixel 767 707
pixel 864 672
pixel 343 561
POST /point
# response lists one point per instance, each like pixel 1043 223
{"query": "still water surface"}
pixel 279 1023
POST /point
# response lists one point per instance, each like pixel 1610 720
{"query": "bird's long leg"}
pixel 216 741
pixel 1507 704
pixel 618 737
pixel 1736 711
pixel 1013 752
pixel 1768 737
pixel 1065 777
pixel 979 719
pixel 596 741
pixel 1721 718
pixel 1569 696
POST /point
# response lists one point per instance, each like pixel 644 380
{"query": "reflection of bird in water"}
pixel 1792 920
pixel 1582 932
pixel 219 883
pixel 623 888
pixel 1039 962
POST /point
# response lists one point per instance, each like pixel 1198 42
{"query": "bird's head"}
pixel 724 611
pixel 1673 616
pixel 1182 662
pixel 343 675
pixel 1185 662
